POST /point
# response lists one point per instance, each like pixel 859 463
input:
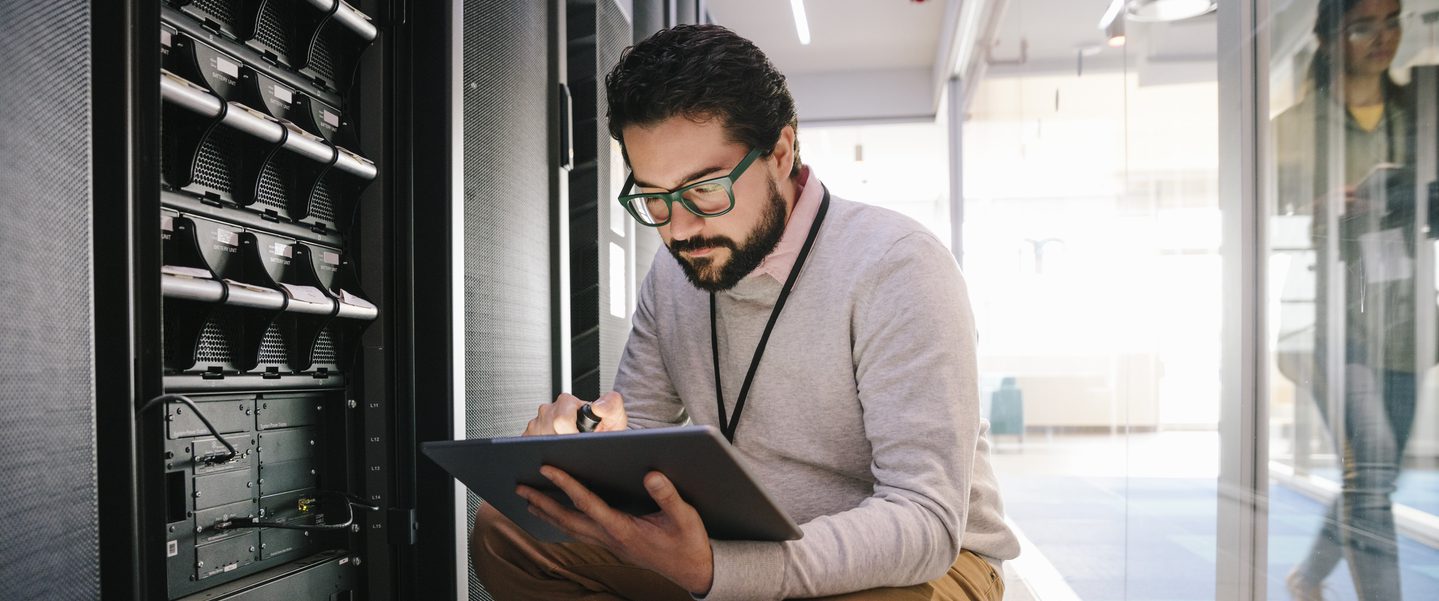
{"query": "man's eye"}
pixel 708 188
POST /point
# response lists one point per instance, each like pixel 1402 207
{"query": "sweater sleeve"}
pixel 914 357
pixel 643 377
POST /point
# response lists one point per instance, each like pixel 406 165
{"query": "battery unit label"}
pixel 331 119
pixel 226 237
pixel 331 258
pixel 167 223
pixel 164 38
pixel 226 67
pixel 280 249
pixel 283 95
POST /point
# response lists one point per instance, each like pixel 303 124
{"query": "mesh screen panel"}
pixel 270 29
pixel 47 367
pixel 507 245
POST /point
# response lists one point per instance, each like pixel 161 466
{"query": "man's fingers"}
pixel 569 521
pixel 587 502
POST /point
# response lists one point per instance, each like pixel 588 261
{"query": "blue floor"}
pixel 1154 539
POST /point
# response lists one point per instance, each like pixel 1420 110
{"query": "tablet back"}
pixel 697 459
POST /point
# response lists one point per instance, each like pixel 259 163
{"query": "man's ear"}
pixel 781 160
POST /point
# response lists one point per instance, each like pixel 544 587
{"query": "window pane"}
pixel 1350 301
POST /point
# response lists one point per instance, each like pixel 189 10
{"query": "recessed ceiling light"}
pixel 1169 10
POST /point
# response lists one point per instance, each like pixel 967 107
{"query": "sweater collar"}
pixel 780 261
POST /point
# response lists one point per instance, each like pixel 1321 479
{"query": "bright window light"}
pixel 801 24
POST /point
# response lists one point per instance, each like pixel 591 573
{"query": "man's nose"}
pixel 684 224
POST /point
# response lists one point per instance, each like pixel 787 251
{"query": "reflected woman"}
pixel 1351 138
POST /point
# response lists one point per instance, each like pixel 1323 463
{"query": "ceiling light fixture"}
pixel 1156 11
pixel 801 24
pixel 1112 24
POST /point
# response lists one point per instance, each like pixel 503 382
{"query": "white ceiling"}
pixel 867 35
pixel 846 35
pixel 1056 31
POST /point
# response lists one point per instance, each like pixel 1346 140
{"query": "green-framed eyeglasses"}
pixel 709 198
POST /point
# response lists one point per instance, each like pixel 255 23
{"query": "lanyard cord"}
pixel 729 425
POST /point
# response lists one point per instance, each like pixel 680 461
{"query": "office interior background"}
pixel 344 229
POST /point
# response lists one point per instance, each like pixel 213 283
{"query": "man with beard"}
pixel 841 333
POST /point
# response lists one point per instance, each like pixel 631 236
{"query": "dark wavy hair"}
pixel 1328 27
pixel 701 72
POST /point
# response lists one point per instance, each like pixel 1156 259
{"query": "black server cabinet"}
pixel 272 139
pixel 270 243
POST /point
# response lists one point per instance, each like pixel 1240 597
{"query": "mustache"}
pixel 698 243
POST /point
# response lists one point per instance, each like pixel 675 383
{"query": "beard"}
pixel 710 276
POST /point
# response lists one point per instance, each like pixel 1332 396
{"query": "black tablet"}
pixel 697 459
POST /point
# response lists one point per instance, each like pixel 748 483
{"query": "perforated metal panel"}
pixel 322 207
pixel 270 29
pixel 47 366
pixel 507 245
pixel 274 188
pixel 211 170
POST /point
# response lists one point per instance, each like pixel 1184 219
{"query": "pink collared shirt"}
pixel 780 261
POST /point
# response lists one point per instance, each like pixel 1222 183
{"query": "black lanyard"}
pixel 729 425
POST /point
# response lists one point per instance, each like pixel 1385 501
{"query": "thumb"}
pixel 664 493
pixel 609 405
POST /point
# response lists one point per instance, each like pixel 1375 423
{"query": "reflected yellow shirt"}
pixel 1368 117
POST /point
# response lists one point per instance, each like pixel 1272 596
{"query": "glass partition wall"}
pixel 1202 261
pixel 1348 179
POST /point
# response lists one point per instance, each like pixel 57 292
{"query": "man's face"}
pixel 717 252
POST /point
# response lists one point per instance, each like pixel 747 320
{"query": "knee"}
pixel 491 539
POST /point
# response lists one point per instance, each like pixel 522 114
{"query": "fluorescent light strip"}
pixel 801 24
pixel 1111 13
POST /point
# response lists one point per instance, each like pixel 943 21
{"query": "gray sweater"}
pixel 863 420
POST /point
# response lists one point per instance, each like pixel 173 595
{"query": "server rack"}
pixel 260 252
pixel 266 304
pixel 307 217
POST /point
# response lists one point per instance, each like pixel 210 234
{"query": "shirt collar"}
pixel 781 260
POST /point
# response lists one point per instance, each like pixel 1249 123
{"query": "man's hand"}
pixel 672 542
pixel 559 417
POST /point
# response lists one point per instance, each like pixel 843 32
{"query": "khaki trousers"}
pixel 514 566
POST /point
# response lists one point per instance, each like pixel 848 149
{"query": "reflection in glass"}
pixel 1344 156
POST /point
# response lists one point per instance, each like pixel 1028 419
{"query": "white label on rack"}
pixel 248 287
pixel 350 299
pixel 331 119
pixel 167 223
pixel 309 294
pixel 227 67
pixel 172 548
pixel 226 237
pixel 164 38
pixel 283 95
pixel 280 249
pixel 617 280
pixel 332 258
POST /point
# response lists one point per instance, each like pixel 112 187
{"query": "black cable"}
pixel 209 426
pixel 351 502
